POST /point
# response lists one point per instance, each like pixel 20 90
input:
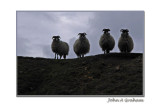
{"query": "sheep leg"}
pixel 55 56
pixel 60 56
pixel 82 55
pixel 107 51
pixel 64 56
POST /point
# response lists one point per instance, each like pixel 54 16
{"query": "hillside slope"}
pixel 112 74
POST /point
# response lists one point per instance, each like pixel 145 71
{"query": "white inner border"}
pixel 8 51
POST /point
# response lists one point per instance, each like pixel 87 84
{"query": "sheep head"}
pixel 56 38
pixel 124 33
pixel 82 34
pixel 106 30
pixel 124 30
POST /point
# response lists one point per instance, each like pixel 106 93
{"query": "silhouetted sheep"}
pixel 81 45
pixel 59 47
pixel 106 41
pixel 125 43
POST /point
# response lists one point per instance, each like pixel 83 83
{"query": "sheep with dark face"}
pixel 106 41
pixel 55 45
pixel 59 47
pixel 125 43
pixel 81 45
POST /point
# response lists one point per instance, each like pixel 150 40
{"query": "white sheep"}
pixel 59 47
pixel 106 41
pixel 125 43
pixel 81 45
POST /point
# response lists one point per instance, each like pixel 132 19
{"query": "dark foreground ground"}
pixel 112 74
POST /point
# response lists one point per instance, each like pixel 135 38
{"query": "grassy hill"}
pixel 111 74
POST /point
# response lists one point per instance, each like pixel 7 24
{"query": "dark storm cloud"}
pixel 35 30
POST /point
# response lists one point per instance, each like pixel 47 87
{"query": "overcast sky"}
pixel 35 30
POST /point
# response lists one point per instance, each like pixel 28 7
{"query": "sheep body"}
pixel 63 49
pixel 81 45
pixel 59 47
pixel 125 43
pixel 106 41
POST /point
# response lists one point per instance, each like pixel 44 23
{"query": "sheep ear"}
pixel 108 29
pixel 121 30
pixel 58 36
pixel 127 30
pixel 85 33
pixel 79 33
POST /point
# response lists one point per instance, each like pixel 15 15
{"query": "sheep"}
pixel 55 45
pixel 81 45
pixel 125 43
pixel 106 41
pixel 59 47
